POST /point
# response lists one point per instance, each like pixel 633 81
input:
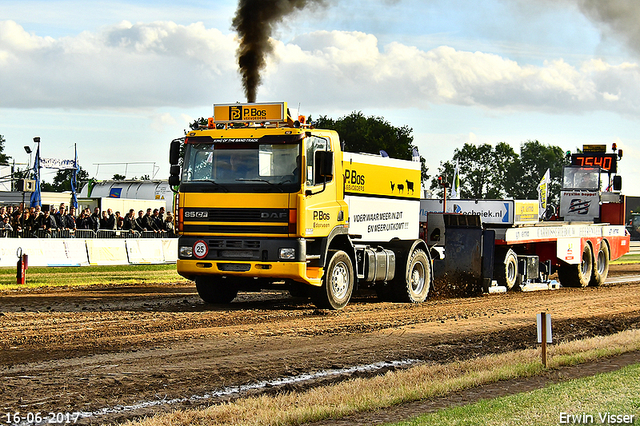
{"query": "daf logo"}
pixel 267 215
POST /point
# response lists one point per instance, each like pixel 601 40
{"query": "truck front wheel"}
pixel 601 266
pixel 337 284
pixel 216 290
pixel 578 275
pixel 413 285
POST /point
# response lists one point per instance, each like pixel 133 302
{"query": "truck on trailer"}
pixel 268 202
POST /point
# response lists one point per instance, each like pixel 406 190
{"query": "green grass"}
pixel 90 275
pixel 627 258
pixel 616 393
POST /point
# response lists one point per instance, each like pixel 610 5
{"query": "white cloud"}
pixel 125 65
pixel 165 64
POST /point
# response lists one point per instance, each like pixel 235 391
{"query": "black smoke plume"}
pixel 254 22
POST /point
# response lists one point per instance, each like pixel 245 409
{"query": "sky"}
pixel 120 79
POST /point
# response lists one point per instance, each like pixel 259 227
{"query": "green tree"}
pixel 373 134
pixel 535 159
pixel 62 181
pixel 118 176
pixel 485 172
pixel 4 158
pixel 498 172
pixel 198 122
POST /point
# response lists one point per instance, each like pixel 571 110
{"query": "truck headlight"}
pixel 287 253
pixel 185 251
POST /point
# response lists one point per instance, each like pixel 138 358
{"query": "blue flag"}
pixel 36 199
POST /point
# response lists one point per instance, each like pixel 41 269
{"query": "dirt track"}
pixel 99 347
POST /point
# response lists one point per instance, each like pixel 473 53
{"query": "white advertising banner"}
pixel 170 250
pixel 579 205
pixel 380 219
pixel 144 250
pixel 107 251
pixel 44 252
pixel 490 211
pixel 85 252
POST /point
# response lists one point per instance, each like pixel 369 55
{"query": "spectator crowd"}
pixel 18 221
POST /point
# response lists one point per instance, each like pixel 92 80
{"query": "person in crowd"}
pixel 5 226
pixel 119 220
pixel 127 221
pixel 157 220
pixel 149 223
pixel 104 221
pixel 84 220
pixel 95 219
pixel 168 225
pixel 59 216
pixel 49 224
pixel 69 220
pixel 140 220
pixel 111 220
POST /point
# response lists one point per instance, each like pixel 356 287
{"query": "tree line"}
pixel 486 172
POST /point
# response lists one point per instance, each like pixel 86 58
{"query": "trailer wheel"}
pixel 337 284
pixel 413 285
pixel 601 266
pixel 215 290
pixel 507 271
pixel 578 275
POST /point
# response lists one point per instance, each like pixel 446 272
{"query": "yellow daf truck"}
pixel 268 202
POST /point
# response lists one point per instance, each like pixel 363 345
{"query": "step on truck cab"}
pixel 268 202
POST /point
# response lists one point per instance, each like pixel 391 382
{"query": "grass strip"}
pixel 626 259
pixel 90 275
pixel 397 387
pixel 608 398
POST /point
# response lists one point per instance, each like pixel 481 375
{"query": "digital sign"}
pixel 607 162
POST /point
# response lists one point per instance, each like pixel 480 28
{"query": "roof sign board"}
pixel 230 113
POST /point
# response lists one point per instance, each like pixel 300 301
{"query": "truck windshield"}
pixel 248 164
pixel 581 178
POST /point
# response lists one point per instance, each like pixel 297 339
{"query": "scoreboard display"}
pixel 607 162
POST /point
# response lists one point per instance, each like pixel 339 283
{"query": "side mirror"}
pixel 174 180
pixel 617 183
pixel 324 165
pixel 174 151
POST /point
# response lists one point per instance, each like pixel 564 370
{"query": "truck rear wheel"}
pixel 216 290
pixel 578 275
pixel 413 285
pixel 507 271
pixel 337 284
pixel 600 266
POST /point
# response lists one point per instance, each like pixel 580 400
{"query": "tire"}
pixel 337 283
pixel 507 271
pixel 578 275
pixel 600 266
pixel 216 290
pixel 413 286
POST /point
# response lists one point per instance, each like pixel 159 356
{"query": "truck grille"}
pixel 238 221
pixel 236 229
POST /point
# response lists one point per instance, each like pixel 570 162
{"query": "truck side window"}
pixel 314 144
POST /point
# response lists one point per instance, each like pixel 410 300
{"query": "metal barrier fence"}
pixel 84 233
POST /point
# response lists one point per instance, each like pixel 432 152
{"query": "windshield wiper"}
pixel 259 180
pixel 213 182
